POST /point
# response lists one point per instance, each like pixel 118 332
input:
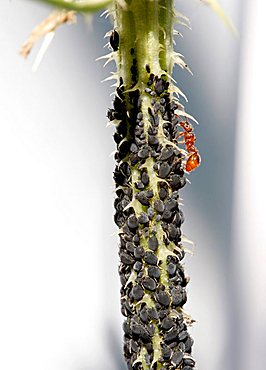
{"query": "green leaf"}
pixel 79 6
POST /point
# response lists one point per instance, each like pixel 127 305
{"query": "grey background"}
pixel 58 258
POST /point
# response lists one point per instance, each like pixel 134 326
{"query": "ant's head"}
pixel 186 126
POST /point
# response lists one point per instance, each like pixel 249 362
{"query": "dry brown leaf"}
pixel 50 24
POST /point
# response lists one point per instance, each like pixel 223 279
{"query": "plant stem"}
pixel 146 27
pixel 148 176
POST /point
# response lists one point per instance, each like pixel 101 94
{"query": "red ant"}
pixel 193 160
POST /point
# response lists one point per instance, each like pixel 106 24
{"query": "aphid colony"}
pixel 149 174
pixel 192 158
pixel 148 177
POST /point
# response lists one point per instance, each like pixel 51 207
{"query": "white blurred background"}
pixel 59 286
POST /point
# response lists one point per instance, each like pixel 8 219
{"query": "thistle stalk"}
pixel 148 177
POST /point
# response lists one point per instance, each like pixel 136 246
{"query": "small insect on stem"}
pixel 148 68
pixel 193 160
pixel 114 40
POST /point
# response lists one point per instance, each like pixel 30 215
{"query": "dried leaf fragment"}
pixel 47 26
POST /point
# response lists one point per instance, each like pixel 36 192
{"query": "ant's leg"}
pixel 182 141
pixel 180 134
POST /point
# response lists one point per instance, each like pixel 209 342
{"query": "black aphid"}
pixel 114 40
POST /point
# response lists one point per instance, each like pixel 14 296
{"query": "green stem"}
pixel 166 34
pixel 145 29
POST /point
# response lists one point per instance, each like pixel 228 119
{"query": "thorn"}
pixel 112 77
pixel 112 154
pixel 184 114
pixel 107 56
pixel 177 33
pixel 185 239
pixel 104 13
